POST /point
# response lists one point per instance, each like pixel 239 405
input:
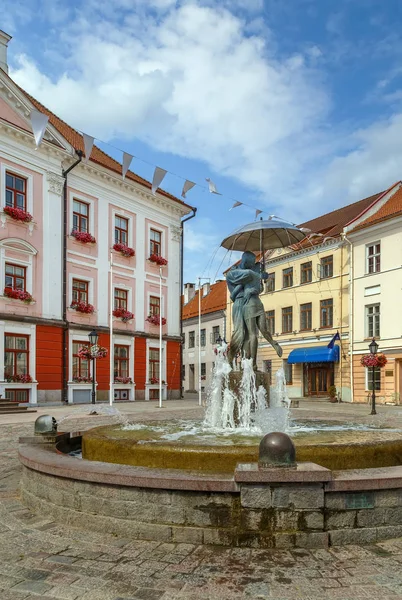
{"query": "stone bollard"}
pixel 276 450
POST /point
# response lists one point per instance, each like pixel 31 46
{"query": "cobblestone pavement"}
pixel 41 559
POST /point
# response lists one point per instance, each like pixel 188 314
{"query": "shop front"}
pixel 318 368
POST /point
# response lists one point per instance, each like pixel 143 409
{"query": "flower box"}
pixel 18 379
pixel 159 260
pixel 88 352
pixel 18 295
pixel 18 214
pixel 123 380
pixel 155 320
pixel 82 380
pixel 124 250
pixel 155 380
pixel 82 236
pixel 373 360
pixel 82 307
pixel 124 315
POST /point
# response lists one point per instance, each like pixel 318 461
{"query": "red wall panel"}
pixel 140 362
pixel 49 369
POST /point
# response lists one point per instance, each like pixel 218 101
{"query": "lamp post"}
pixel 373 347
pixel 93 340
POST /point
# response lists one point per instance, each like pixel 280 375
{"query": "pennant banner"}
pixel 88 145
pixel 257 212
pixel 212 187
pixel 236 204
pixel 127 158
pixel 159 174
pixel 271 217
pixel 188 185
pixel 39 122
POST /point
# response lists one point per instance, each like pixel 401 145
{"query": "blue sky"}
pixel 291 107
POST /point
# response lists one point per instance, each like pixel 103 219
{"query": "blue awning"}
pixel 312 355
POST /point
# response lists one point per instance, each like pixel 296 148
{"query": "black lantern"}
pixel 93 340
pixel 93 337
pixel 373 347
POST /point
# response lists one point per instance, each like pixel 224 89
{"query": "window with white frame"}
pixel 369 378
pixel 16 191
pixel 373 256
pixel 373 320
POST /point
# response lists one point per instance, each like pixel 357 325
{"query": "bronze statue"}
pixel 245 286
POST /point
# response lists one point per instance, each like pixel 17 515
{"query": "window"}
pixel 287 277
pixel 306 272
pixel 80 216
pixel 80 365
pixel 373 320
pixel 203 369
pixel 287 319
pixel 15 277
pixel 120 298
pixel 155 242
pixel 215 334
pixel 154 363
pixel 16 355
pixel 288 368
pixel 305 316
pixel 121 360
pixel 373 258
pixel 326 267
pixel 203 341
pixel 80 290
pixel 154 305
pixel 369 378
pixel 191 339
pixel 120 230
pixel 326 313
pixel 270 283
pixel 16 191
pixel 270 318
pixel 17 395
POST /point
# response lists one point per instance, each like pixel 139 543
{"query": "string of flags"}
pixel 39 122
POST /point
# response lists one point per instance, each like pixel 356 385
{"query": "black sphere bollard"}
pixel 276 450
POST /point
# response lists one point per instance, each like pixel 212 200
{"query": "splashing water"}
pixel 249 409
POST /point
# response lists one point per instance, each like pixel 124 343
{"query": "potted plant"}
pixel 155 320
pixel 83 236
pixel 123 314
pixel 158 260
pixel 332 393
pixel 18 295
pixel 82 307
pixel 124 250
pixel 18 214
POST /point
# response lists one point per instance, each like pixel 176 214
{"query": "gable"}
pixel 7 113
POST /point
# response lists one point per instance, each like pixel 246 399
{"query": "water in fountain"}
pixel 249 409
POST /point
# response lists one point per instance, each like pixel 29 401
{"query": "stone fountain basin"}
pixel 184 445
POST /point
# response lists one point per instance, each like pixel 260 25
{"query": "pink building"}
pixel 55 269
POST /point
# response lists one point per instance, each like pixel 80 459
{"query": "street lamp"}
pixel 373 347
pixel 93 340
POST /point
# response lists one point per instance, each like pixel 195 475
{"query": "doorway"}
pixel 319 378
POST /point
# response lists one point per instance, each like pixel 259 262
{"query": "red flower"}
pixel 123 314
pixel 125 250
pixel 18 295
pixel 88 352
pixel 19 378
pixel 82 236
pixel 82 307
pixel 373 360
pixel 123 380
pixel 155 320
pixel 159 260
pixel 18 214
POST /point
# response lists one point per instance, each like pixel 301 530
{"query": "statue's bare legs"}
pixel 262 326
pixel 253 325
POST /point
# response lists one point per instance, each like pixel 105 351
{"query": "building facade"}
pixel 55 268
pixel 199 346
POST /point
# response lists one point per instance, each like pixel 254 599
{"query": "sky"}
pixel 294 108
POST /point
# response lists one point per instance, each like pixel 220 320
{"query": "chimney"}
pixel 206 288
pixel 4 39
pixel 189 292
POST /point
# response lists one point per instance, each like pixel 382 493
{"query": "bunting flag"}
pixel 236 204
pixel 271 217
pixel 159 174
pixel 88 144
pixel 212 187
pixel 257 212
pixel 38 122
pixel 188 185
pixel 127 158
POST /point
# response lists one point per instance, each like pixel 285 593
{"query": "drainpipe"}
pixel 65 352
pixel 181 294
pixel 351 306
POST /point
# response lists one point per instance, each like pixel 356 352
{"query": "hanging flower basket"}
pixel 88 352
pixel 155 320
pixel 18 214
pixel 82 236
pixel 373 360
pixel 123 380
pixel 124 250
pixel 82 307
pixel 124 315
pixel 19 378
pixel 82 380
pixel 18 295
pixel 159 260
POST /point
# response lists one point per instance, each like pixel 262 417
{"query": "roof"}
pixel 390 209
pixel 212 302
pixel 98 156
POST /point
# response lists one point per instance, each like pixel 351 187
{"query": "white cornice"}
pixel 289 256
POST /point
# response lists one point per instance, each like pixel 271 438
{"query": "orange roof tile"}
pixel 390 209
pixel 215 300
pixel 97 155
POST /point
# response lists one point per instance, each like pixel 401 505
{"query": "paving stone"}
pixel 36 587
